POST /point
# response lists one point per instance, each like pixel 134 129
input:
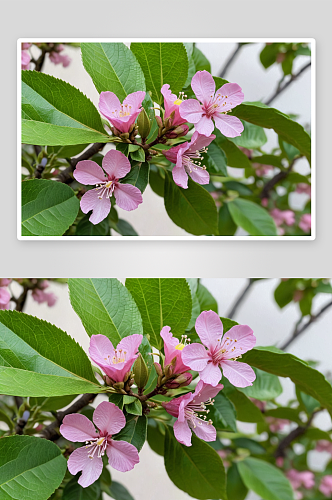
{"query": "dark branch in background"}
pixel 40 61
pixel 294 434
pixel 51 432
pixel 277 178
pixel 240 298
pixel 20 301
pixel 66 175
pixel 281 88
pixel 300 329
pixel 230 60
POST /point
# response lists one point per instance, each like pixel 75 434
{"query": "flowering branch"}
pixel 65 176
pixel 280 88
pixel 299 330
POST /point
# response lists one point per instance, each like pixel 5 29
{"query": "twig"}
pixel 277 178
pixel 51 432
pixel 230 60
pixel 280 88
pixel 66 175
pixel 294 434
pixel 240 298
pixel 20 301
pixel 298 331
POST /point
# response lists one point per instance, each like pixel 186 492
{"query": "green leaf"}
pixel 284 292
pixel 86 228
pixel 235 157
pixel 30 467
pixel 253 137
pixel 193 283
pixel 284 413
pixel 252 218
pixel 201 62
pixel 226 225
pixel 265 479
pixel 135 431
pixel 309 380
pixel 206 299
pixel 134 408
pixel 116 399
pixel 156 438
pixel 48 207
pixel 73 491
pixel 124 228
pixel 223 413
pixel 161 302
pixel 269 54
pixel 56 114
pixel 275 161
pixel 66 151
pixel 157 182
pixel 138 175
pixel 236 489
pixel 162 63
pixel 112 67
pixel 198 470
pixel 215 160
pixel 38 359
pixel 105 307
pixel 289 130
pixel 138 154
pixel 119 492
pixel 246 411
pixel 265 387
pixel 51 403
pixel 193 209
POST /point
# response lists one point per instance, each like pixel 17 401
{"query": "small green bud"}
pixel 144 124
pixel 141 372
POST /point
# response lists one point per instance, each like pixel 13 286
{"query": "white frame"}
pixel 312 41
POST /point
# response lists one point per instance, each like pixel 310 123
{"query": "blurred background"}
pixel 258 84
pixel 271 326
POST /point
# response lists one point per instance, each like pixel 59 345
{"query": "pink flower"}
pixel 325 486
pixel 214 105
pixel 298 295
pixel 280 462
pixel 324 445
pixel 109 420
pixel 302 187
pixel 116 166
pixel 5 281
pixel 26 46
pixel 265 202
pixel 57 58
pixel 305 223
pixel 283 217
pixel 173 349
pixel 276 424
pixel 121 116
pixel 187 410
pixel 260 404
pixel 298 479
pixel 115 362
pixel 4 298
pixel 186 156
pixel 222 351
pixel 172 103
pixel 262 170
pixel 25 60
pixel 40 296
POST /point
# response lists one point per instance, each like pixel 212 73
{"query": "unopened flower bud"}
pixel 141 372
pixel 178 132
pixel 158 369
pixel 144 124
pixel 180 381
pixel 159 121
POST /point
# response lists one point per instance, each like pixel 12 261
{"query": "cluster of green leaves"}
pixel 284 54
pixel 61 119
pixel 302 291
pixel 45 366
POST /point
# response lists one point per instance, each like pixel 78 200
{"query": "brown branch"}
pixel 230 60
pixel 240 298
pixel 298 331
pixel 277 178
pixel 20 301
pixel 294 434
pixel 280 88
pixel 51 432
pixel 66 175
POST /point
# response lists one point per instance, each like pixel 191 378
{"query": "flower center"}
pixel 119 357
pixel 105 188
pixel 191 162
pixel 215 105
pixel 224 350
pixel 97 445
pixel 193 412
pixel 181 98
pixel 124 111
pixel 183 342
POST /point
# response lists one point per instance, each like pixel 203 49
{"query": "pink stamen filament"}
pixel 215 105
pixel 118 357
pixel 124 111
pixel 99 445
pixel 106 188
pixel 192 411
pixel 189 160
pixel 225 350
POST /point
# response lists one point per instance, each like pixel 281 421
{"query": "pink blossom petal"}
pixel 209 328
pixel 195 356
pixel 109 418
pixel 167 336
pixel 191 110
pixel 116 164
pixel 204 391
pixel 172 153
pixel 203 86
pixel 239 374
pixel 89 173
pixel 180 176
pixel 205 126
pixel 91 468
pixel 234 95
pixel 108 103
pixel 4 296
pixel 245 340
pixel 122 456
pixel 205 431
pixel 200 175
pixel 211 374
pixel 5 281
pixel 101 208
pixel 182 432
pixel 100 347
pixel 199 141
pixel 78 428
pixel 134 100
pixel 127 197
pixel 229 126
pixel 130 344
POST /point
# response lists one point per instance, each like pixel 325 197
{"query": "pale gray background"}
pixel 196 19
pixel 271 326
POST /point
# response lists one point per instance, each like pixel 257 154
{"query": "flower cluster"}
pixel 53 49
pixel 4 293
pixel 190 410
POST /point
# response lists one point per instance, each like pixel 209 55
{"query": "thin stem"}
pixel 299 330
pixel 230 60
pixel 240 298
pixel 66 175
pixel 281 88
pixel 294 434
pixel 277 178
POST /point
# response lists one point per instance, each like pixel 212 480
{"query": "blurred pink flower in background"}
pixel 277 424
pixel 260 404
pixel 40 296
pixel 302 187
pixel 58 58
pixel 325 486
pixel 283 217
pixel 301 478
pixel 280 462
pixel 298 295
pixel 262 170
pixel 4 298
pixel 265 202
pixel 25 60
pixel 324 445
pixel 305 223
